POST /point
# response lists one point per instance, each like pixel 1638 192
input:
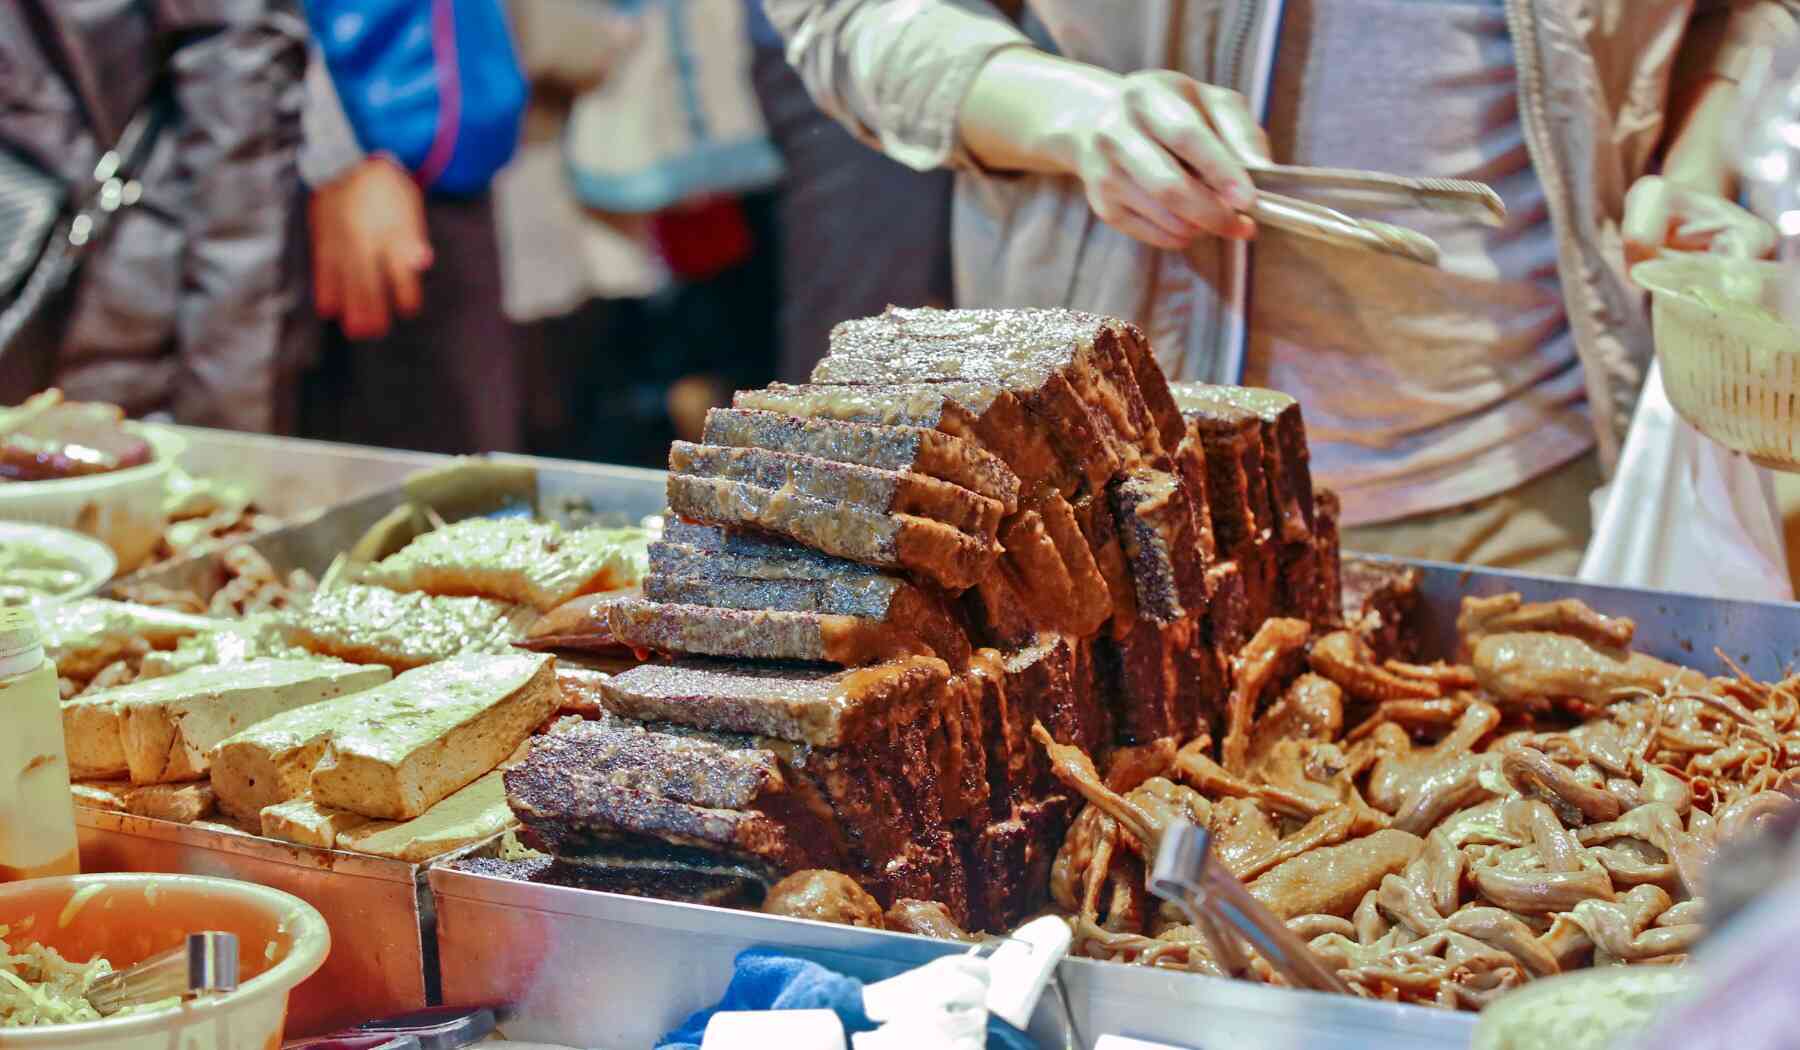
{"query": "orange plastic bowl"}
pixel 282 940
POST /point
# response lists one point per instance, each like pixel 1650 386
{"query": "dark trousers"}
pixel 858 231
pixel 449 380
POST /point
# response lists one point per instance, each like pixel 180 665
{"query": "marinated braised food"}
pixel 1547 809
pixel 48 439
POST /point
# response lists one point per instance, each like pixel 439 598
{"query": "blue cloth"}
pixel 768 980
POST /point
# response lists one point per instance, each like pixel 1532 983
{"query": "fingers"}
pixel 365 314
pixel 1649 207
pixel 1660 214
pixel 1148 181
pixel 1174 114
pixel 1237 126
pixel 328 282
pixel 403 266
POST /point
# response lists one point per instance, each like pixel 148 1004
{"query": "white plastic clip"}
pixel 1021 967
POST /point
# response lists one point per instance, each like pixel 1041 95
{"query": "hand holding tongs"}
pixel 1187 875
pixel 206 964
pixel 1474 201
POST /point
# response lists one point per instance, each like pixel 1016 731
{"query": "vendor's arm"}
pixel 955 84
pixel 1688 207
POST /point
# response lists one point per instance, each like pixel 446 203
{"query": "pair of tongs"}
pixel 1188 875
pixel 205 964
pixel 1277 207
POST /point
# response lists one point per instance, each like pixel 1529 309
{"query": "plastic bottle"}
pixel 37 813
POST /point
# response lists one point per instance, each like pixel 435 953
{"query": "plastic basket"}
pixel 1730 364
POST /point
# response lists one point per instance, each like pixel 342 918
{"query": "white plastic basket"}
pixel 1730 364
pixel 122 509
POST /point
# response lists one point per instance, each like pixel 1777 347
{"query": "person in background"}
pixel 417 352
pixel 1464 413
pixel 193 305
pixel 858 231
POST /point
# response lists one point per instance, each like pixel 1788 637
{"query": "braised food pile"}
pixel 872 586
pixel 1444 833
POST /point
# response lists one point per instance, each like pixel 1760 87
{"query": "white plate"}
pixel 95 559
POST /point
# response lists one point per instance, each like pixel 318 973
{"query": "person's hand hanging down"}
pixel 1160 154
pixel 369 247
pixel 1688 208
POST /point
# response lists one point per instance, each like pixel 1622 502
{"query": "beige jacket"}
pixel 1595 77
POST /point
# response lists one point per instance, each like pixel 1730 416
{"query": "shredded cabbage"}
pixel 40 987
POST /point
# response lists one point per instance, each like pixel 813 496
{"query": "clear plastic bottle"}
pixel 37 814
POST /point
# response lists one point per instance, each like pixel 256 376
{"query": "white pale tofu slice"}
pixel 432 731
pixel 164 729
pixel 474 814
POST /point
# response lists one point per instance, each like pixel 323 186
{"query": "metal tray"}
pixel 592 969
pixel 383 957
pixel 567 492
pixel 382 960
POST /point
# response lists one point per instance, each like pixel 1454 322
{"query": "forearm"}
pixel 1025 107
pixel 894 72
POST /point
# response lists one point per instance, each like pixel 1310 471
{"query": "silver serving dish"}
pixel 585 968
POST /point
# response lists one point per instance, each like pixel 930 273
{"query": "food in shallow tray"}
pixel 162 730
pixel 1445 833
pixel 535 563
pixel 48 438
pixel 402 630
pixel 983 519
pixel 1167 632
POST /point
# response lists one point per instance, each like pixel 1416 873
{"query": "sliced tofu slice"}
pixel 432 731
pixel 162 730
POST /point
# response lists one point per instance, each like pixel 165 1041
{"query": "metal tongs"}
pixel 1187 875
pixel 1276 207
pixel 206 965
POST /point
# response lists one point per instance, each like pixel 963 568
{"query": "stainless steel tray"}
pixel 383 957
pixel 591 969
pixel 566 491
pixel 382 960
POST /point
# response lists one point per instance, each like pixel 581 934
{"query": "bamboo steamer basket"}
pixel 1730 363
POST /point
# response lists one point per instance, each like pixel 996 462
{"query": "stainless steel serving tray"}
pixel 591 969
pixel 383 957
pixel 566 491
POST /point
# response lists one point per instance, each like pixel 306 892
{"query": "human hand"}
pixel 1660 214
pixel 369 247
pixel 1163 159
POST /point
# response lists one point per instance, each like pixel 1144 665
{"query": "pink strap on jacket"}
pixel 443 44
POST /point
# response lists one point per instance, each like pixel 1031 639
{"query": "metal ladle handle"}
pixel 1187 875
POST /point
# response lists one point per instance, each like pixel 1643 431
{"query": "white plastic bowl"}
pixel 1732 371
pixel 122 509
pixel 97 561
pixel 282 941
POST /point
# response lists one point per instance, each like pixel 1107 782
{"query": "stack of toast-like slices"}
pixel 874 584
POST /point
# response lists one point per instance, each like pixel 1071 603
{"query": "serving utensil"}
pixel 1299 200
pixel 1188 875
pixel 207 964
